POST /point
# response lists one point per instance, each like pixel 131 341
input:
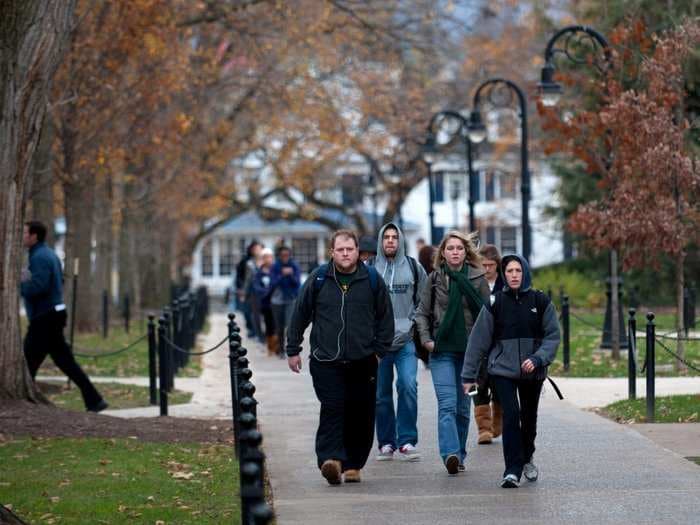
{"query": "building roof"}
pixel 250 222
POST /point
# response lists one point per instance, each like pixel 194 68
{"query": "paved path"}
pixel 592 470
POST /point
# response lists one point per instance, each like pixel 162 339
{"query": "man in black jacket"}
pixel 352 326
pixel 42 290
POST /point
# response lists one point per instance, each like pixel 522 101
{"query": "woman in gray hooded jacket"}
pixel 519 333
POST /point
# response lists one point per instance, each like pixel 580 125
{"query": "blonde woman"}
pixel 449 305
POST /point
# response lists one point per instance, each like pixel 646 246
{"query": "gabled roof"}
pixel 251 222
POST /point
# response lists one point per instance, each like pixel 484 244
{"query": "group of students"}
pixel 488 335
pixel 266 288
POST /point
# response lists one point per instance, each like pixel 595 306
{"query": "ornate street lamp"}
pixel 498 92
pixel 454 124
pixel 568 43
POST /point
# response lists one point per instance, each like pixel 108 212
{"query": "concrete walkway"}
pixel 592 470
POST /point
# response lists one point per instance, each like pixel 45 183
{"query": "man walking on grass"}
pixel 397 430
pixel 349 308
pixel 42 290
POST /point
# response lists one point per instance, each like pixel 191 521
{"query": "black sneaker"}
pixel 99 407
pixel 510 481
pixel 452 464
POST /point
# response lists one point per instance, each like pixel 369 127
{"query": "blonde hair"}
pixel 468 240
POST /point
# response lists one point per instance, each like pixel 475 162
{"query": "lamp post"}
pixel 459 125
pixel 429 152
pixel 499 93
pixel 567 42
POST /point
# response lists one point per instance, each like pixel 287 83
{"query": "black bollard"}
pixel 169 351
pixel 631 355
pixel 248 390
pixel 152 389
pixel 262 514
pixel 566 331
pixel 651 367
pixel 163 368
pixel 234 344
pixel 246 422
pixel 105 314
pixel 250 493
pixel 127 312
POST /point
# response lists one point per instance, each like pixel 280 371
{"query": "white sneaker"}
pixel 510 482
pixel 530 471
pixel 386 453
pixel 408 452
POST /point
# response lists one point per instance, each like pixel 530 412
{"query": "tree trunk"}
pixel 41 194
pixel 32 37
pixel 103 237
pixel 680 285
pixel 79 208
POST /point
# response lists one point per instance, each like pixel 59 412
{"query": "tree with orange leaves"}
pixel 638 145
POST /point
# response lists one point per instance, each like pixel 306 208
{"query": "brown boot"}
pixel 331 471
pixel 352 476
pixel 482 413
pixel 273 343
pixel 497 418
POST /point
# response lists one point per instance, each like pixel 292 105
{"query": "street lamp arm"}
pixel 494 82
pixel 550 50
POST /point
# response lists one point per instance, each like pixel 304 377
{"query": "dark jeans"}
pixel 269 320
pixel 45 336
pixel 347 392
pixel 485 394
pixel 519 420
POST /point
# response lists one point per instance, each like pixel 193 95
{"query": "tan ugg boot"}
pixel 272 344
pixel 352 476
pixel 331 470
pixel 497 419
pixel 482 413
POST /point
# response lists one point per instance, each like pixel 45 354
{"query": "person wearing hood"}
pixel 519 335
pixel 452 298
pixel 397 429
pixel 487 409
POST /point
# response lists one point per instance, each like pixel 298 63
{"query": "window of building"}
pixel 439 186
pixel 490 235
pixel 507 184
pixel 509 239
pixel 305 253
pixel 207 259
pixel 228 254
pixel 489 186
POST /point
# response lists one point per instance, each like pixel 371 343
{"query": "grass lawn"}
pixel 585 340
pixel 669 409
pixel 118 395
pixel 111 481
pixel 133 362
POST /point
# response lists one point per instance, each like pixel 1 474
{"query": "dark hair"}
pixel 252 245
pixel 490 252
pixel 425 257
pixel 344 233
pixel 282 248
pixel 38 228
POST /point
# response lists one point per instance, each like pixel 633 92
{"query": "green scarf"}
pixel 451 335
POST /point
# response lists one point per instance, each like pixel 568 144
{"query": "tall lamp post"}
pixel 566 43
pixel 457 125
pixel 429 153
pixel 499 93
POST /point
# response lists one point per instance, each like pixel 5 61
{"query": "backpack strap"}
pixel 373 279
pixel 323 273
pixel 414 270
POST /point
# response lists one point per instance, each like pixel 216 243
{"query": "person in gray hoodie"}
pixel 519 333
pixel 396 429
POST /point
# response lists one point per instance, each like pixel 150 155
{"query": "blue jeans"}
pixel 397 428
pixel 454 406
